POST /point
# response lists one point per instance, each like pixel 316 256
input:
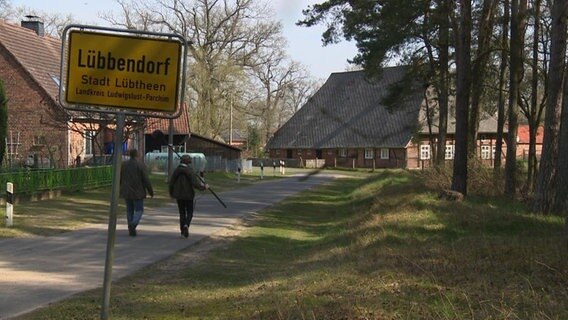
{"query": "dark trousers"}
pixel 185 208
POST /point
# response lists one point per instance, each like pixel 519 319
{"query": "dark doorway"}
pixel 319 154
pixel 289 154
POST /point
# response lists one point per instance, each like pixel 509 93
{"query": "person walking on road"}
pixel 181 187
pixel 134 182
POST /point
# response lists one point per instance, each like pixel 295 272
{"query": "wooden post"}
pixel 9 204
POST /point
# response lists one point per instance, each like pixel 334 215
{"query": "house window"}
pixel 424 152
pixel 493 152
pixel 12 149
pixel 485 152
pixel 309 152
pixel 39 141
pixel 343 153
pixel 449 154
pixel 385 153
pixel 134 142
pixel 299 152
pixel 89 142
pixel 369 153
pixel 12 144
pixel 278 152
pixel 329 152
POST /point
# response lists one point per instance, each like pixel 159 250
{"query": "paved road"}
pixel 41 270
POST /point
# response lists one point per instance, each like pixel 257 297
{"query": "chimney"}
pixel 34 23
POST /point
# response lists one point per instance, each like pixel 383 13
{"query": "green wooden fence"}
pixel 34 181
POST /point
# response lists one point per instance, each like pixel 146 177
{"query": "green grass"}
pixel 383 247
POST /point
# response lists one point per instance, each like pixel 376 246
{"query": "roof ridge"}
pixel 349 110
pixel 11 40
pixel 362 70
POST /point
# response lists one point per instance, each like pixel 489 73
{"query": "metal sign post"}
pixel 170 150
pixel 116 164
pixel 126 73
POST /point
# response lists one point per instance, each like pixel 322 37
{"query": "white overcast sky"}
pixel 304 44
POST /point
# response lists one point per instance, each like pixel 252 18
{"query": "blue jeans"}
pixel 134 211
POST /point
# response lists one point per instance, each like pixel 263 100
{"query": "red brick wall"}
pixel 28 115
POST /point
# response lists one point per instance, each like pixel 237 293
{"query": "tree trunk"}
pixel 532 114
pixel 501 103
pixel 478 72
pixel 444 81
pixel 543 195
pixel 561 196
pixel 463 86
pixel 518 9
pixel 533 128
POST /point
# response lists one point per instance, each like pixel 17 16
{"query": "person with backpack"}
pixel 181 187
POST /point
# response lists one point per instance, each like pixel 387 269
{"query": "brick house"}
pixel 523 140
pixel 347 124
pixel 420 150
pixel 40 132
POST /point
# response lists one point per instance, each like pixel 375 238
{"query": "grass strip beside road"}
pixel 378 248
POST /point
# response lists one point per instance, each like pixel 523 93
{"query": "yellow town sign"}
pixel 120 71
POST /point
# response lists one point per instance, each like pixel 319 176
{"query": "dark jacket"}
pixel 134 180
pixel 182 183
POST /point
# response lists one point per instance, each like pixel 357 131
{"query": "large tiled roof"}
pixel 347 112
pixel 40 56
pixel 180 124
pixel 487 123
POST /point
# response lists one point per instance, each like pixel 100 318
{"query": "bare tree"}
pixel 54 23
pixel 561 196
pixel 132 16
pixel 5 9
pixel 479 66
pixel 462 32
pixel 502 86
pixel 544 190
pixel 225 36
pixel 276 76
pixel 443 79
pixel 518 11
pixel 227 40
pixel 301 90
pixel 532 107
